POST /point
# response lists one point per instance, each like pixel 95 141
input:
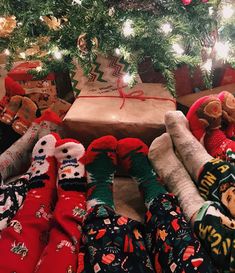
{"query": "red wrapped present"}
pixel 42 92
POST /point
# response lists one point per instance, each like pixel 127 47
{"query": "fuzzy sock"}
pixel 26 114
pixel 101 162
pixel 132 154
pixel 69 212
pixel 174 175
pixel 191 151
pixel 9 112
pixel 22 242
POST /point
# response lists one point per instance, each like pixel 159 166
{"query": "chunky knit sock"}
pixel 174 175
pixel 193 154
pixel 218 145
pixel 132 154
pixel 100 166
pixel 23 241
pixel 26 114
pixel 9 112
pixel 69 212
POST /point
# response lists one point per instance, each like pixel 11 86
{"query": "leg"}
pixel 70 210
pixel 169 236
pixel 113 243
pixel 23 241
pixel 193 154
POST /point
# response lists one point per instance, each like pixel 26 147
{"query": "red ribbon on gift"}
pixel 137 95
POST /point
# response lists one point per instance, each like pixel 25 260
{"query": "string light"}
pixel 117 51
pixel 227 11
pixel 127 78
pixel 222 50
pixel 7 52
pixel 127 28
pixel 22 55
pixel 38 68
pixel 207 65
pixel 178 49
pixel 77 2
pixel 166 28
pixel 57 54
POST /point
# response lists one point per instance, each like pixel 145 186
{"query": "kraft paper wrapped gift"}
pixel 97 112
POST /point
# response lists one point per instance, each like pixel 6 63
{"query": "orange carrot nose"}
pixel 67 171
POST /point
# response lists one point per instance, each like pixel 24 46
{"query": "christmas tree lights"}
pixel 171 33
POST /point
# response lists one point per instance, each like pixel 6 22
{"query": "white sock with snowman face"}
pixel 43 169
pixel 71 169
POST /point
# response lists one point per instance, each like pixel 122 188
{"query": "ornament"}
pixel 52 22
pixel 108 259
pixel 82 43
pixel 7 25
pixel 197 262
pixel 186 2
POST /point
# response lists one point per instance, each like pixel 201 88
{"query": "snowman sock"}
pixel 101 166
pixel 132 154
pixel 69 212
pixel 174 175
pixel 23 241
pixel 193 154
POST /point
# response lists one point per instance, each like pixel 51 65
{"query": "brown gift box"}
pixel 96 112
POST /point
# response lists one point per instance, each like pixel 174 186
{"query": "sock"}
pixel 26 114
pixel 24 240
pixel 192 153
pixel 174 175
pixel 132 154
pixel 9 112
pixel 101 162
pixel 69 212
pixel 16 159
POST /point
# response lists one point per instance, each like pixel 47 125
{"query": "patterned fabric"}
pixel 113 243
pixel 11 199
pixel 170 240
pixel 217 234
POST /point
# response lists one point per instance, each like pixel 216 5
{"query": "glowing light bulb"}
pixel 77 2
pixel 127 78
pixel 117 51
pixel 22 55
pixel 57 54
pixel 207 65
pixel 127 28
pixel 7 52
pixel 222 50
pixel 166 28
pixel 227 11
pixel 211 11
pixel 38 68
pixel 178 49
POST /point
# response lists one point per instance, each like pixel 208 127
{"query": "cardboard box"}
pixel 96 112
pixel 184 102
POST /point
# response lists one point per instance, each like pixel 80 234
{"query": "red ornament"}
pixel 186 2
pixel 197 262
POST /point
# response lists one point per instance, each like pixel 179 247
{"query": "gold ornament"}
pixel 52 22
pixel 82 43
pixel 7 25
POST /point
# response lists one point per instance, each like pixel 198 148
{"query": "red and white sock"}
pixel 70 210
pixel 23 241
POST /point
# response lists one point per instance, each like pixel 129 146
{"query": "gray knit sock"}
pixel 192 153
pixel 174 175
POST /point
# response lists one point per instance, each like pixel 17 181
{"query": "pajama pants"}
pixel 213 224
pixel 114 243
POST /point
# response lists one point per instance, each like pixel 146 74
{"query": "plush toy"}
pixel 205 122
pixel 228 118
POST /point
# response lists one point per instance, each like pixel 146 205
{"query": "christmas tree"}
pixel 169 32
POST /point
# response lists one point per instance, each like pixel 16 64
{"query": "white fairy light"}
pixel 7 52
pixel 222 50
pixel 57 54
pixel 207 66
pixel 127 78
pixel 22 55
pixel 211 11
pixel 178 49
pixel 166 28
pixel 117 51
pixel 77 2
pixel 127 28
pixel 38 68
pixel 227 11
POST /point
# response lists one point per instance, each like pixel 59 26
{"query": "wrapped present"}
pixel 122 112
pixel 228 76
pixel 60 107
pixel 42 92
pixel 104 69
